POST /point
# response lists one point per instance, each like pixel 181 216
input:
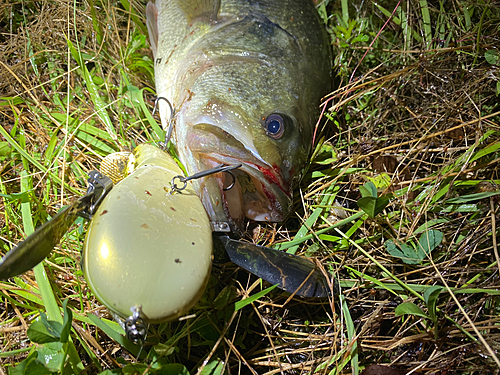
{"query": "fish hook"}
pixel 232 183
pixel 135 328
pixel 170 128
pixel 220 168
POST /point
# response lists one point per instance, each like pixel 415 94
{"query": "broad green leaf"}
pixel 225 297
pixel 407 253
pixel 10 100
pixel 68 317
pixel 381 180
pixel 164 350
pixel 42 333
pixel 54 327
pixel 19 369
pixel 97 80
pixel 135 368
pixel 469 207
pixel 214 367
pixel 492 56
pixel 351 335
pixel 409 308
pixel 52 356
pixel 23 197
pixel 160 133
pixel 329 237
pixel 298 241
pixel 428 241
pixel 49 300
pixel 325 154
pixel 5 148
pixel 368 190
pixel 94 142
pixel 431 296
pixel 30 366
pixel 173 369
pixel 132 93
pixel 328 199
pixel 427 25
pixel 373 206
pixel 491 148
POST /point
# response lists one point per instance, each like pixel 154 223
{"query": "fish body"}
pixel 245 79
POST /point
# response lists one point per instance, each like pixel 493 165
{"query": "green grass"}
pixel 409 142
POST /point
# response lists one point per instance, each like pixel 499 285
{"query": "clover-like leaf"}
pixel 407 253
pixel 428 241
pixel 373 206
pixel 368 190
pixel 43 331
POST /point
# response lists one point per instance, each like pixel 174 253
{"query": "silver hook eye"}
pixel 220 168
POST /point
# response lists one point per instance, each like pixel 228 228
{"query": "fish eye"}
pixel 275 126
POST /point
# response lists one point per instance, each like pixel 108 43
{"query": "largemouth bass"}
pixel 245 79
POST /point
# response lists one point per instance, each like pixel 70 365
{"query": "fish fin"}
pixel 152 23
pixel 199 10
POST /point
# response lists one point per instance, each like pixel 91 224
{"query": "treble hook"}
pixel 168 135
pixel 135 327
pixel 220 168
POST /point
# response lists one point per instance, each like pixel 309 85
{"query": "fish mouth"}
pixel 255 191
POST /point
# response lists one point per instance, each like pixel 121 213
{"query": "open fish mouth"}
pixel 255 191
pixel 246 193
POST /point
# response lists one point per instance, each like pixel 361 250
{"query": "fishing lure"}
pixel 148 249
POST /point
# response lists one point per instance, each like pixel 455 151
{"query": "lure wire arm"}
pixel 208 172
pixel 170 128
pixel 99 186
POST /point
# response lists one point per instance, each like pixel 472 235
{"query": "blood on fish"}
pixel 272 177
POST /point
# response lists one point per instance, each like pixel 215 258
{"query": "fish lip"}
pixel 271 182
pixel 261 193
pixel 255 169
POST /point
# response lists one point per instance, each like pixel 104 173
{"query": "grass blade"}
pixel 48 297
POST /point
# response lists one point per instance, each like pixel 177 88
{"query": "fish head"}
pixel 271 142
pixel 245 89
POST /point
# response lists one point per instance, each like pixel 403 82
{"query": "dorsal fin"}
pixel 168 22
pixel 200 10
pixel 152 24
